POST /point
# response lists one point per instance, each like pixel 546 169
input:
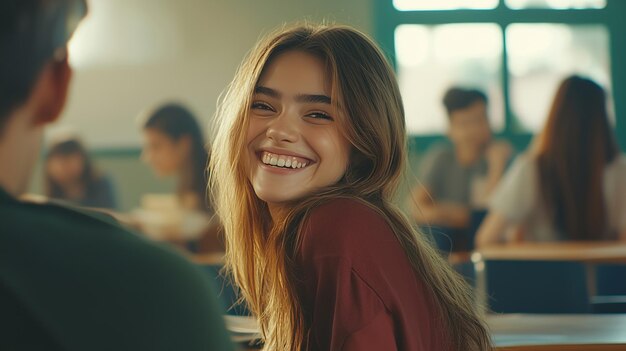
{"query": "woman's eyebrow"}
pixel 303 98
pixel 313 98
pixel 267 91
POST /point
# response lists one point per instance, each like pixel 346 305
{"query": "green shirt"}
pixel 74 280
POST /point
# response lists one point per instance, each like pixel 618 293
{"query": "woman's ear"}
pixel 50 91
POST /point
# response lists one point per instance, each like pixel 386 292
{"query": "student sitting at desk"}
pixel 174 146
pixel 71 176
pixel 457 178
pixel 571 185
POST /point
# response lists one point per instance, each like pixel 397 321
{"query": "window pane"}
pixel 541 55
pixel 430 59
pixel 121 33
pixel 414 5
pixel 556 4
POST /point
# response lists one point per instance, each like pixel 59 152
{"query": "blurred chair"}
pixel 535 286
pixel 563 347
pixel 449 240
pixel 212 265
pixel 611 279
pixel 461 262
pixel 610 289
pixel 457 244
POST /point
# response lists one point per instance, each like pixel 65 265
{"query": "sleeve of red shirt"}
pixel 345 312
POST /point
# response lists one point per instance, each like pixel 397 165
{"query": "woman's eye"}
pixel 320 115
pixel 261 106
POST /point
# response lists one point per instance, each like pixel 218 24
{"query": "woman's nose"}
pixel 283 128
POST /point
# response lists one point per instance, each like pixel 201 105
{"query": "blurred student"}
pixel 571 184
pixel 70 176
pixel 457 179
pixel 174 146
pixel 71 279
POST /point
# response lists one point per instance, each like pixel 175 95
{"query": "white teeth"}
pixel 282 161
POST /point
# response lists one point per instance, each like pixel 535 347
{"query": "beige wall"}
pixel 130 55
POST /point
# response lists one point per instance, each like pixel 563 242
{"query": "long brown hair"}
pixel 260 252
pixel 573 150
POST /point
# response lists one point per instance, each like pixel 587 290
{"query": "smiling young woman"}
pixel 292 122
pixel 309 151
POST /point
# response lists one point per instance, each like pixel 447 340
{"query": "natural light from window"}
pixel 556 4
pixel 126 33
pixel 431 59
pixel 541 55
pixel 434 5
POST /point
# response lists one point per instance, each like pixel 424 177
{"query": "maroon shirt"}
pixel 358 288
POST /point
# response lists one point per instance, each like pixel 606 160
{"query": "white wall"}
pixel 130 55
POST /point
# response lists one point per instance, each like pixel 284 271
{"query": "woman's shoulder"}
pixel 527 159
pixel 523 167
pixel 619 164
pixel 344 209
pixel 344 225
pixel 345 214
pixel 615 172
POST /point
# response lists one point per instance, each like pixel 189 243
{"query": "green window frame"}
pixel 387 18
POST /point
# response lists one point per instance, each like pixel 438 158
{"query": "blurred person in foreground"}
pixel 71 279
pixel 71 176
pixel 571 184
pixel 457 178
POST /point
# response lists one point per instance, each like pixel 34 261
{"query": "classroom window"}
pixel 541 55
pixel 127 33
pixel 434 5
pixel 556 4
pixel 432 58
pixel 516 57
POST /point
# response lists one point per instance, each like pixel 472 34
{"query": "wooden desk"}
pixel 513 331
pixel 588 253
pixel 558 332
pixel 455 258
pixel 244 330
